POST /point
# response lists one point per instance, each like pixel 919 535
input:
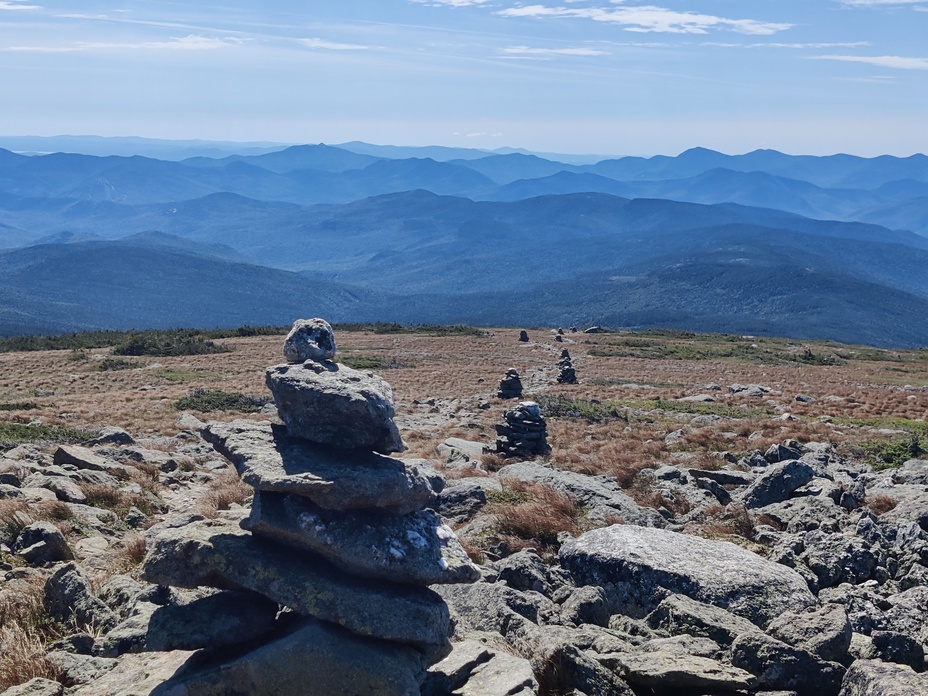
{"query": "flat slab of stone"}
pixel 877 678
pixel 218 553
pixel 415 548
pixel 642 565
pixel 332 404
pixel 315 660
pixel 476 669
pixel 671 670
pixel 268 459
pixel 84 458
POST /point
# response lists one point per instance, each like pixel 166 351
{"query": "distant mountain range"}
pixel 824 247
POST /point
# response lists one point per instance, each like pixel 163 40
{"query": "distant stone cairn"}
pixel 340 534
pixel 510 386
pixel 523 336
pixel 523 432
pixel 566 373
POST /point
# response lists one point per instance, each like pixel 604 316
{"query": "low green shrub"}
pixel 217 400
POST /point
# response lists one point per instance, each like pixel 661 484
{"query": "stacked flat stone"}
pixel 339 533
pixel 510 386
pixel 523 432
pixel 566 373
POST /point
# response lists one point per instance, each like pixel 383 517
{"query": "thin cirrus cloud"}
pixel 191 42
pixel 549 52
pixel 865 3
pixel 648 18
pixel 895 62
pixel 452 3
pixel 17 5
pixel 332 45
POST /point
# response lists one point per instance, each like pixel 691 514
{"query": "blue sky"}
pixel 580 76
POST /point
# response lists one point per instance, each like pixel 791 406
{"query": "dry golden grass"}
pixel 24 630
pixel 224 490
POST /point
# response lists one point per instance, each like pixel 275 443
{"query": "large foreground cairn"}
pixel 339 534
pixel 523 432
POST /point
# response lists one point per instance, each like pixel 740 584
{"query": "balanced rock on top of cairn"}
pixel 566 372
pixel 523 432
pixel 510 386
pixel 338 533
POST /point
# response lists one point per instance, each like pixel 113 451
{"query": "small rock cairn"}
pixel 566 374
pixel 510 386
pixel 523 432
pixel 338 533
pixel 523 336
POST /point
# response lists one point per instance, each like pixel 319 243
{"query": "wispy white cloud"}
pixel 649 18
pixel 528 51
pixel 332 45
pixel 191 42
pixel 865 3
pixel 452 3
pixel 17 5
pixel 896 62
pixel 773 44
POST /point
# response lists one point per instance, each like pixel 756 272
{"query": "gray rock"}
pixel 83 458
pixel 724 476
pixel 678 614
pixel 217 553
pixel 825 632
pixel 461 452
pixel 671 670
pixel 476 669
pixel 221 619
pixel 129 635
pixel 461 500
pixel 639 566
pixel 781 453
pixel 332 404
pixel 586 605
pixel 600 495
pixel 415 548
pixel 309 339
pixel 837 558
pixel 780 666
pixel 36 687
pixel 111 435
pixel 63 488
pixel 684 645
pixel 42 542
pixel 899 648
pixel 270 460
pixel 875 678
pixel 524 570
pixel 68 598
pixel 139 674
pixel 777 483
pixel 80 669
pixel 317 660
pixel 496 608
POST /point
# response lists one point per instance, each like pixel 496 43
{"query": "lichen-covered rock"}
pixel 780 666
pixel 218 553
pixel 639 566
pixel 42 542
pixel 477 669
pixel 678 614
pixel 332 404
pixel 268 459
pixel 68 598
pixel 316 659
pixel 777 483
pixel 876 678
pixel 416 548
pixel 214 621
pixel 670 670
pixel 309 339
pixel 825 632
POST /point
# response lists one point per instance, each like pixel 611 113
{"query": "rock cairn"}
pixel 523 432
pixel 338 533
pixel 510 386
pixel 523 336
pixel 566 372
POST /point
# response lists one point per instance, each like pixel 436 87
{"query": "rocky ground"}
pixel 716 515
